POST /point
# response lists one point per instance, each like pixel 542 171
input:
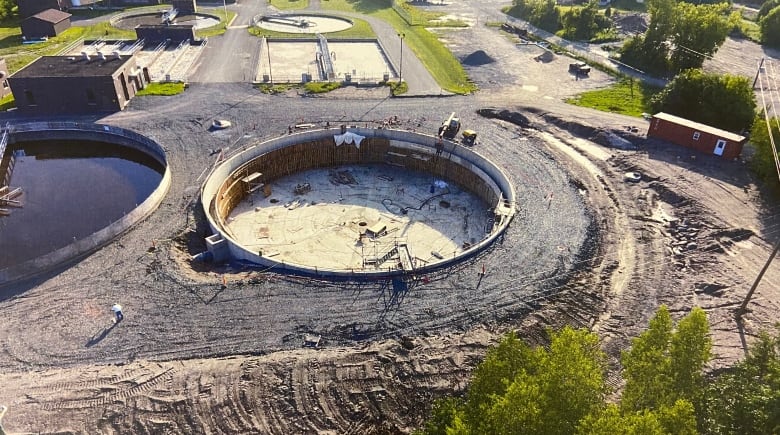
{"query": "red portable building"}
pixel 695 135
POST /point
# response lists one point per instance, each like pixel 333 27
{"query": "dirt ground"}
pixel 586 249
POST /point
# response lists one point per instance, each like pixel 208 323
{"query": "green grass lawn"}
pixel 428 18
pixel 286 5
pixel 321 87
pixel 443 66
pixel 165 89
pixel 360 29
pixel 7 102
pixel 625 97
pixel 278 88
pixel 219 28
pixel 398 88
pixel 750 30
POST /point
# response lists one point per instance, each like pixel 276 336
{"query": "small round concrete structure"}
pixel 36 131
pixel 129 20
pixel 303 23
pixel 355 203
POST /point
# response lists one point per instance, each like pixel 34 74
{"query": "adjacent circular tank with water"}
pixel 74 188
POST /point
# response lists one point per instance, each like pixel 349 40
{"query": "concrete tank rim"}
pixel 240 158
pixel 330 14
pixel 116 19
pixel 81 248
pixel 351 21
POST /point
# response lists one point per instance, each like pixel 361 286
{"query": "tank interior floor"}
pixel 360 217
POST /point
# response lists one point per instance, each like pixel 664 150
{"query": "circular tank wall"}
pixel 303 23
pixel 382 168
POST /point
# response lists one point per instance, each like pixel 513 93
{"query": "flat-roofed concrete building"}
pixel 49 23
pixel 185 7
pixel 77 84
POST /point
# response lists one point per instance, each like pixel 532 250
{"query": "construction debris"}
pixel 341 177
pixel 302 189
pixel 8 199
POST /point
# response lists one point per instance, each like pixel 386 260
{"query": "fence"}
pixel 405 15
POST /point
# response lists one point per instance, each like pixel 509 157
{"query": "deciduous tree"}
pixel 541 13
pixel 561 389
pixel 531 391
pixel 679 36
pixel 746 398
pixel 766 7
pixel 7 9
pixel 722 101
pixel 677 419
pixel 697 32
pixel 770 28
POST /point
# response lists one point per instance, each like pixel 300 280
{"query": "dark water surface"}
pixel 71 189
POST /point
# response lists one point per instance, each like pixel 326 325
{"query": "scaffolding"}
pixel 8 196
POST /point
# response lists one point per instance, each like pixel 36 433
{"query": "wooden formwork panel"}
pixel 446 169
pixel 324 153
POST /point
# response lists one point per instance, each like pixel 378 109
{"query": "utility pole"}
pixel 760 65
pixel 401 68
pixel 743 308
pixel 224 8
pixel 268 50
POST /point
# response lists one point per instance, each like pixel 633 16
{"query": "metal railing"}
pixel 328 71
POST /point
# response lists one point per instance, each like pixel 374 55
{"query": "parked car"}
pixel 579 68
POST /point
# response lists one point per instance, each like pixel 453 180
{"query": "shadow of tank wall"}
pixel 162 32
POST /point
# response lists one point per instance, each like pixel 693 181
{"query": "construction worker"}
pixel 117 309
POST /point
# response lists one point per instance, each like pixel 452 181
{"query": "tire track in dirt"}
pixel 142 384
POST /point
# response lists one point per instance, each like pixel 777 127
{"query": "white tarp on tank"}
pixel 348 138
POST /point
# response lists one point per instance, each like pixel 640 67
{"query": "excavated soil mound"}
pixel 631 23
pixel 478 58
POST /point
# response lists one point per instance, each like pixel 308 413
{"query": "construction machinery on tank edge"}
pixel 450 127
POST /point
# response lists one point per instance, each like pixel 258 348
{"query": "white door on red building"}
pixel 719 147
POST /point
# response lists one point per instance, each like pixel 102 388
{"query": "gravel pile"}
pixel 478 58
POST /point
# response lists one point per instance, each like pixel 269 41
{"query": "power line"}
pixel 743 308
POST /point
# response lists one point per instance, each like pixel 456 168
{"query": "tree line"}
pixel 562 388
pixel 681 34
